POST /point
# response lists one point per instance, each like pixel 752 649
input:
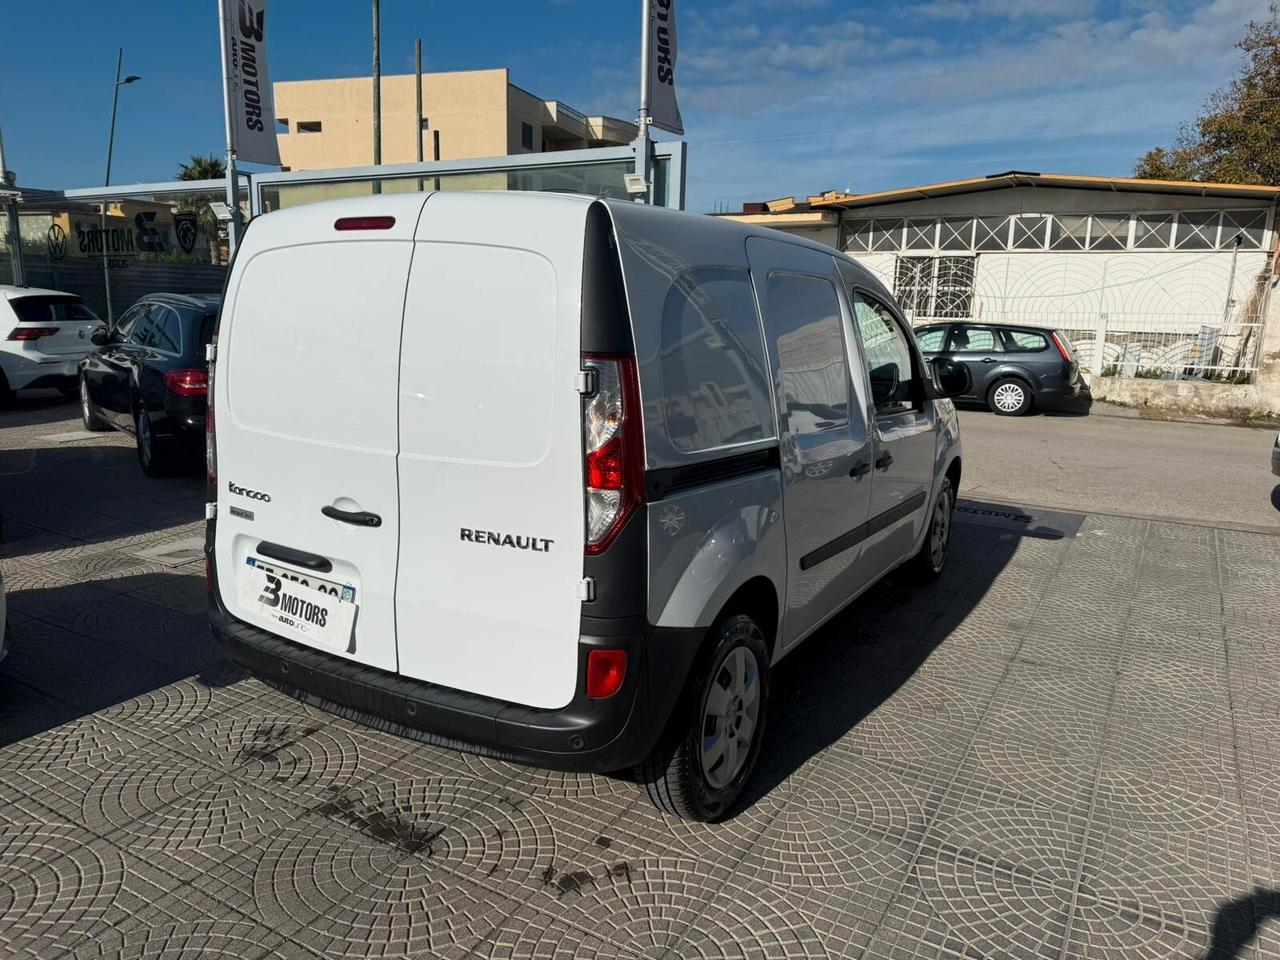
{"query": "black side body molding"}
pixel 862 531
pixel 663 482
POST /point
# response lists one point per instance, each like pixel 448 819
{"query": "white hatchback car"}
pixel 44 334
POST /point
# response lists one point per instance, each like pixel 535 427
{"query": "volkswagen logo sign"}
pixel 57 242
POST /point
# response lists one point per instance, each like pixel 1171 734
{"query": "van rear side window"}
pixel 713 368
pixel 813 372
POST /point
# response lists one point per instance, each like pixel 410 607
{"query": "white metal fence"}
pixel 1222 345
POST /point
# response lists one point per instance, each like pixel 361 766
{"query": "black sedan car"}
pixel 1014 368
pixel 149 377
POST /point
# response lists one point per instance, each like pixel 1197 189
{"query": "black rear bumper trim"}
pixel 586 735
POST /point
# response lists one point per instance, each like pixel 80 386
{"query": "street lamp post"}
pixel 111 141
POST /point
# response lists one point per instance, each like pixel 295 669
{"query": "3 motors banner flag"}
pixel 250 110
pixel 664 112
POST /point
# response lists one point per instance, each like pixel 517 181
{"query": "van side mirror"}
pixel 99 337
pixel 884 382
pixel 951 377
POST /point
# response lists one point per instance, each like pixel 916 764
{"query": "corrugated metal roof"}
pixel 1014 178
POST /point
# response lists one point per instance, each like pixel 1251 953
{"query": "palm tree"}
pixel 203 166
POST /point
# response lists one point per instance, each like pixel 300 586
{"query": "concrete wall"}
pixel 469 108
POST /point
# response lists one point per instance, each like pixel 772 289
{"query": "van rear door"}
pixel 491 482
pixel 305 418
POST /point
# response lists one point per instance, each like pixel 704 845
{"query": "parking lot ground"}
pixel 1112 461
pixel 1068 747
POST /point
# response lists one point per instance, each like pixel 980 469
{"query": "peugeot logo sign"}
pixel 251 494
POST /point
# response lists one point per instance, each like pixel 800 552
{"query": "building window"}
pixel 282 125
pixel 930 287
pixel 309 126
pixel 1197 231
pixel 857 236
pixel 1110 231
pixel 1028 232
pixel 922 234
pixel 526 135
pixel 955 235
pixel 1153 231
pixel 991 233
pixel 887 235
pixel 1248 225
pixel 1068 233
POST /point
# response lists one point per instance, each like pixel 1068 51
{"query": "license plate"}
pixel 305 607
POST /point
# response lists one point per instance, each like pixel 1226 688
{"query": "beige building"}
pixel 477 113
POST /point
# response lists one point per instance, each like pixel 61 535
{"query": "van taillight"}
pixel 210 447
pixel 613 448
pixel 606 669
pixel 187 383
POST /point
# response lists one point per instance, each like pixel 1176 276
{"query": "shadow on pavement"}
pixel 61 496
pixel 866 653
pixel 37 407
pixel 80 648
pixel 1237 921
pixel 1275 497
pixel 1079 407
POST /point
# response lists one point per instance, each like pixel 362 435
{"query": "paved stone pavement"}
pixel 1066 748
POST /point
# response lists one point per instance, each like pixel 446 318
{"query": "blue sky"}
pixel 779 97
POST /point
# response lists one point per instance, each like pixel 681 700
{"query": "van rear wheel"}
pixel 713 740
pixel 927 565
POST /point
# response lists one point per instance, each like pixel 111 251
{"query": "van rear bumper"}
pixel 587 735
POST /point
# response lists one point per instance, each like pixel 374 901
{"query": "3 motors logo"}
pixel 245 492
pixel 245 56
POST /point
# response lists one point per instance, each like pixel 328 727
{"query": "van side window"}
pixel 713 369
pixel 888 356
pixel 813 371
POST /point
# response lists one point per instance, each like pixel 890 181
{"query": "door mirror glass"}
pixel 99 337
pixel 950 377
pixel 884 382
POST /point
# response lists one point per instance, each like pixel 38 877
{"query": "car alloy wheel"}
pixel 1009 397
pixel 85 409
pixel 730 717
pixel 146 452
pixel 940 530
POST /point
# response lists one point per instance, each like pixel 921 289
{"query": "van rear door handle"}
pixel 884 460
pixel 295 558
pixel 359 518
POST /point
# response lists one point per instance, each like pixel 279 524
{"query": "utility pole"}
pixel 642 135
pixel 417 59
pixel 106 182
pixel 11 220
pixel 377 91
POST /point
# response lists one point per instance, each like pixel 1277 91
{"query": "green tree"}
pixel 203 167
pixel 1236 138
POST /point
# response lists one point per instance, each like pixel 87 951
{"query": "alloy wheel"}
pixel 144 440
pixel 730 717
pixel 1009 397
pixel 940 531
